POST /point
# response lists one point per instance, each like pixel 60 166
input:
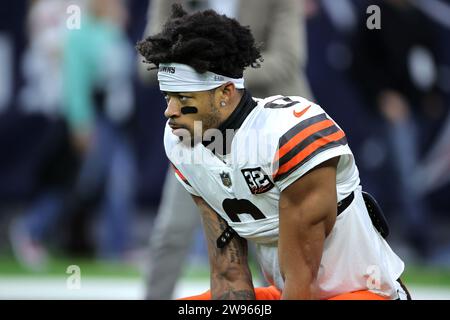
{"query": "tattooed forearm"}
pixel 236 250
pixel 230 275
pixel 238 290
pixel 214 225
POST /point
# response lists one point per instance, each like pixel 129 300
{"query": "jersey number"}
pixel 235 207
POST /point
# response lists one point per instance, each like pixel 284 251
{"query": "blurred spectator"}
pixel 98 100
pixel 83 75
pixel 395 68
pixel 41 66
pixel 282 72
pixel 42 94
pixel 434 171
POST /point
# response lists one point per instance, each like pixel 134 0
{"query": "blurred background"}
pixel 82 163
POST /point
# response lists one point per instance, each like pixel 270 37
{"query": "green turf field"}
pixel 89 267
pixel 111 281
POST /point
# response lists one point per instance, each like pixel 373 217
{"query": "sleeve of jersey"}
pixel 306 145
pixel 184 181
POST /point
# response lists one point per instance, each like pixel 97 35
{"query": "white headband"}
pixel 177 77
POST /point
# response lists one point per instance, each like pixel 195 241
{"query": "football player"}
pixel 277 171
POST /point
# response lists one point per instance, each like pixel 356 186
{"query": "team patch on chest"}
pixel 257 181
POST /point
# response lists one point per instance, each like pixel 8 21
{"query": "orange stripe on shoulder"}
pixel 302 155
pixel 299 137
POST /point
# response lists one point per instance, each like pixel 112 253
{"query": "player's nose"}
pixel 173 109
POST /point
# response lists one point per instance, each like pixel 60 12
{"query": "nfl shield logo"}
pixel 226 180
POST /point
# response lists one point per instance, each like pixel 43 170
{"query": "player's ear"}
pixel 229 88
pixel 227 91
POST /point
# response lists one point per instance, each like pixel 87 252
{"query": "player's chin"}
pixel 181 132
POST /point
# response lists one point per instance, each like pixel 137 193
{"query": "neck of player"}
pixel 241 104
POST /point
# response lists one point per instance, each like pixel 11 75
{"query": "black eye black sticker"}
pixel 187 110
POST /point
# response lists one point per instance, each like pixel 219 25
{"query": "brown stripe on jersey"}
pixel 305 143
pixel 334 140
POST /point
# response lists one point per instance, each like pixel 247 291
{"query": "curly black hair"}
pixel 204 40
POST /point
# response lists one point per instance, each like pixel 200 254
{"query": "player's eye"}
pixel 182 99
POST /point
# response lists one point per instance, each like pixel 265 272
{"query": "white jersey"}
pixel 280 140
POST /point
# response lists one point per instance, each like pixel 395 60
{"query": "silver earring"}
pixel 222 103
